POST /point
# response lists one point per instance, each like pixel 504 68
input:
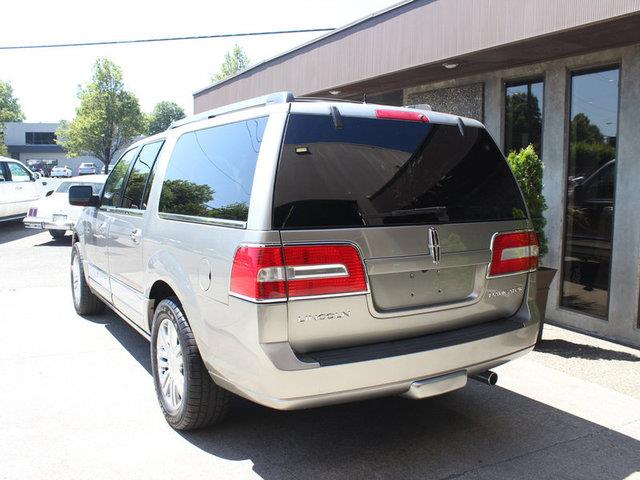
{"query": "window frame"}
pixel 33 138
pixel 4 170
pixel 8 170
pixel 238 117
pixel 146 183
pixel 519 82
pixel 570 74
pixel 126 178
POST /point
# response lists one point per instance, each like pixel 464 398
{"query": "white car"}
pixel 87 169
pixel 61 172
pixel 19 187
pixel 54 213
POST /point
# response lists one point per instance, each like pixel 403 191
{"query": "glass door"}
pixel 591 180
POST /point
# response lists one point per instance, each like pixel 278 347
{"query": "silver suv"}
pixel 300 252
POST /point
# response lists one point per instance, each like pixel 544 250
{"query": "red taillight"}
pixel 33 212
pixel 514 252
pixel 402 115
pixel 259 273
pixel 323 270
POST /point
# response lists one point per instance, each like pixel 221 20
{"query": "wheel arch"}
pixel 158 292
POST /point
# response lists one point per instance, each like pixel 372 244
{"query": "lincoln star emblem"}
pixel 434 244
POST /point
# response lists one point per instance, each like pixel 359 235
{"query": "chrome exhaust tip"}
pixel 488 377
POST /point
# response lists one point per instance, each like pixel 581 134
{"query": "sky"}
pixel 46 81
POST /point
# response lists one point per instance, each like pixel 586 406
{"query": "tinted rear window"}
pixel 210 172
pixel 375 172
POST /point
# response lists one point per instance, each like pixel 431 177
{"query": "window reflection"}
pixel 210 173
pixel 590 191
pixel 523 115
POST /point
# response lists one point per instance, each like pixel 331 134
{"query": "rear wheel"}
pixel 84 300
pixel 187 395
pixel 57 234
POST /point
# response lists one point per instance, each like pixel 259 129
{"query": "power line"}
pixel 163 39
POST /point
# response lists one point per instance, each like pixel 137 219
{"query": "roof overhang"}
pixel 408 44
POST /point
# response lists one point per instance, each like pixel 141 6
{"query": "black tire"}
pixel 85 302
pixel 203 402
pixel 57 234
pixel 540 329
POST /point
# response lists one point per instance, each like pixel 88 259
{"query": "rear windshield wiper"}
pixel 441 210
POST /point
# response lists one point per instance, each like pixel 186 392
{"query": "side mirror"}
pixel 82 196
pixel 35 176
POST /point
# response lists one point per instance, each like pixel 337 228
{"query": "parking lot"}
pixel 77 401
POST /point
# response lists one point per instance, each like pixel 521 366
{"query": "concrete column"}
pixel 493 108
pixel 625 267
pixel 554 157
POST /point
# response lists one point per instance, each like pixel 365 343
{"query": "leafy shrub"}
pixel 527 168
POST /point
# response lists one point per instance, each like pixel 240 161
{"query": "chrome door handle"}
pixel 135 235
pixel 18 187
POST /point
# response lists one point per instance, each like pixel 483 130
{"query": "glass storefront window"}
pixel 590 191
pixel 523 115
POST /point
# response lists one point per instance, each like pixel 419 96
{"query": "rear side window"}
pixel 210 172
pixel 138 178
pixel 374 172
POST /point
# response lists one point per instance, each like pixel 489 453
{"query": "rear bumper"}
pixel 282 380
pixel 46 224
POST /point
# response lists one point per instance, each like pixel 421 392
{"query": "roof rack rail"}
pixel 325 99
pixel 278 97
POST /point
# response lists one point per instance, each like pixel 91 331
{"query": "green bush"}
pixel 527 168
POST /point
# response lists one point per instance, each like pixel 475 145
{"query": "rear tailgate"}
pixel 420 201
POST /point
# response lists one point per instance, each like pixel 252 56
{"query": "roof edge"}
pixel 306 44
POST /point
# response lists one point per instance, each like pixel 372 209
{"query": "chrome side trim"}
pixel 253 300
pixel 133 212
pixel 218 222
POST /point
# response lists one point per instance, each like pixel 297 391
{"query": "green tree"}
pixel 107 119
pixel 235 61
pixel 589 149
pixel 527 168
pixel 164 113
pixel 524 121
pixel 185 197
pixel 10 111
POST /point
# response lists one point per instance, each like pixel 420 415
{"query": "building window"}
pixel 523 115
pixel 40 138
pixel 590 191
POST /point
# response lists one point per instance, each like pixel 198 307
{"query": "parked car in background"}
pixel 54 213
pixel 87 168
pixel 64 172
pixel 300 253
pixel 19 187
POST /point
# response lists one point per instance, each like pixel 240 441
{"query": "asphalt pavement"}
pixel 77 402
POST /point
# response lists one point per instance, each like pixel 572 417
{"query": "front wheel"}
pixel 84 300
pixel 187 395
